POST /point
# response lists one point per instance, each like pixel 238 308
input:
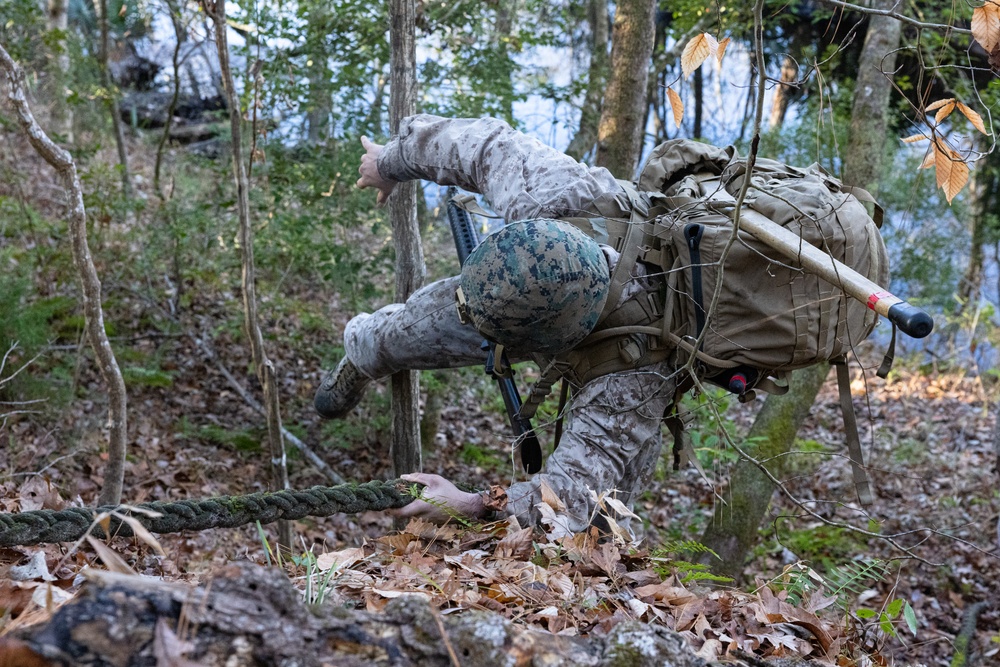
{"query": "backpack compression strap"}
pixel 861 481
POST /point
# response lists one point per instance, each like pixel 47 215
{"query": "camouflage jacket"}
pixel 611 442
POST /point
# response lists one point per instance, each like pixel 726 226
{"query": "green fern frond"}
pixel 676 547
pixel 854 577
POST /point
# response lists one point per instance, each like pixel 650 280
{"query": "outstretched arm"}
pixel 520 176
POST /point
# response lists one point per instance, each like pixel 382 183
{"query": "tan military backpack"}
pixel 746 313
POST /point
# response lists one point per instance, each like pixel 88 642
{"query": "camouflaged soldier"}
pixel 537 286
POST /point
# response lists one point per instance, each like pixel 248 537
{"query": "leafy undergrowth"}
pixel 578 584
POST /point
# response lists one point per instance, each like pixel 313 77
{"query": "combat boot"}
pixel 341 390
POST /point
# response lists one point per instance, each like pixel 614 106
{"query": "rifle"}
pixel 526 439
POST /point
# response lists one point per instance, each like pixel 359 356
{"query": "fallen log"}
pixel 251 615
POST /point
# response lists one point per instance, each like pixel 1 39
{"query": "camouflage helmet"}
pixel 536 286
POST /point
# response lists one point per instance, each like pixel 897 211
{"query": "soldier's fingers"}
pixel 427 479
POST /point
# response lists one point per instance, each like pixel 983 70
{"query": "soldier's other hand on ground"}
pixel 445 500
pixel 370 178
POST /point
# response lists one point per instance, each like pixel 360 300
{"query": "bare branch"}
pixel 265 368
pixel 90 283
pixel 896 15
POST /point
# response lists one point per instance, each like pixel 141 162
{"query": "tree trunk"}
pixel 866 141
pixel 503 29
pixel 732 533
pixel 985 195
pixel 265 369
pixel 90 283
pixel 175 10
pixel 409 253
pixel 320 105
pixel 789 76
pixel 250 615
pixel 62 114
pixel 783 93
pixel 597 76
pixel 699 103
pixel 373 121
pixel 111 91
pixel 733 529
pixel 619 135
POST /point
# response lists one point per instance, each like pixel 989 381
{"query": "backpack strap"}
pixel 862 195
pixel 627 240
pixel 563 397
pixel 555 369
pixel 890 356
pixel 861 482
pixel 469 204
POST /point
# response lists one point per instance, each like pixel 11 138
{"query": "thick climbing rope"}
pixel 66 525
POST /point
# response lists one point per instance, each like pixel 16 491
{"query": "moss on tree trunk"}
pixel 733 529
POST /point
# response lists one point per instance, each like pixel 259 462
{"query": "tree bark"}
pixel 984 192
pixel 597 76
pixel 409 253
pixel 619 135
pixel 320 108
pixel 177 21
pixel 62 114
pixel 789 75
pixel 699 103
pixel 503 30
pixel 866 141
pixel 734 533
pixel 783 93
pixel 90 283
pixel 250 615
pixel 111 91
pixel 265 369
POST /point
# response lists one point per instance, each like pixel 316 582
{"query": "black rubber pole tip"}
pixel 911 320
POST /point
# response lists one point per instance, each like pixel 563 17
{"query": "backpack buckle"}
pixel 462 306
pixel 629 351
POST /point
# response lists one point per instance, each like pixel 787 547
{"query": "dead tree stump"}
pixel 250 615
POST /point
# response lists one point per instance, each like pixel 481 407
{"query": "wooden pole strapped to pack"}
pixel 911 320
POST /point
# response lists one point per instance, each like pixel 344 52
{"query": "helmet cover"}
pixel 536 286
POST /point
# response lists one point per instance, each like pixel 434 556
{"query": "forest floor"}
pixel 929 434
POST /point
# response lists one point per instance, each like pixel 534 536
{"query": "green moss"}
pixel 137 376
pixel 244 440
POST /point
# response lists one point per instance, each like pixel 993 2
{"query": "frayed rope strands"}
pixel 45 526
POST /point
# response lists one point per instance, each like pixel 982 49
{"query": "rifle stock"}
pixel 526 439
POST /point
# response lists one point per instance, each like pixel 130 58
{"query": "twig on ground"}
pixel 307 451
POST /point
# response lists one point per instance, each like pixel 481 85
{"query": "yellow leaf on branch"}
pixel 986 25
pixel 929 160
pixel 952 171
pixel 676 106
pixel 722 50
pixel 939 104
pixel 974 118
pixel 915 137
pixel 697 51
pixel 944 109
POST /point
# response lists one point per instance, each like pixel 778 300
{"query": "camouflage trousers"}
pixel 611 440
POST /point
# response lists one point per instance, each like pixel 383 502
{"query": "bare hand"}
pixel 446 500
pixel 370 178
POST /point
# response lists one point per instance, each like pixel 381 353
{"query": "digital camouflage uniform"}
pixel 612 435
